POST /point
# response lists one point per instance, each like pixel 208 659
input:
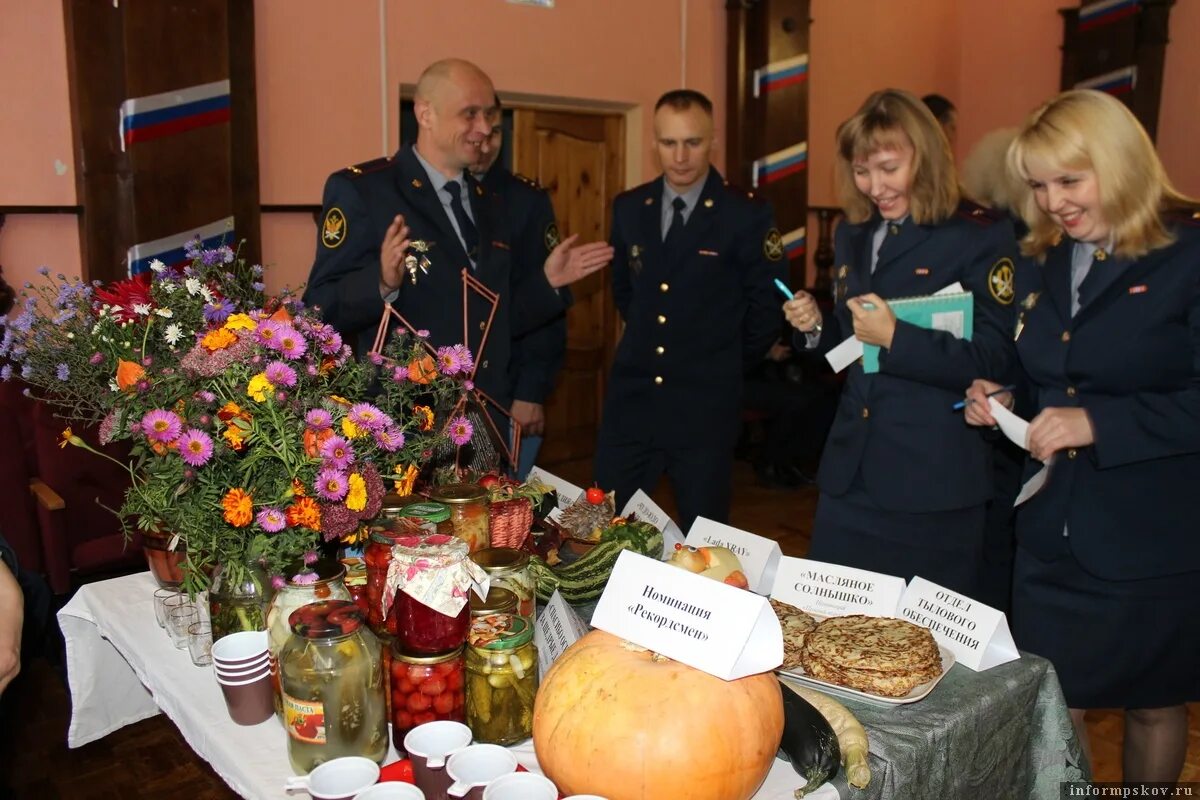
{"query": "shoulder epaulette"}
pixel 367 167
pixel 979 214
pixel 1184 216
pixel 528 181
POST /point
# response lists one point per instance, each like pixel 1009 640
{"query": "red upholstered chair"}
pixel 80 537
pixel 18 465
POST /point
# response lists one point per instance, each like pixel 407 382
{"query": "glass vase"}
pixel 238 598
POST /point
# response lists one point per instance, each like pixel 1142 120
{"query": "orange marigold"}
pixel 423 415
pixel 408 476
pixel 218 339
pixel 128 373
pixel 422 370
pixel 234 437
pixel 239 507
pixel 304 513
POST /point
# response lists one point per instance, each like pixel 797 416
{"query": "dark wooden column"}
pixel 763 32
pixel 1135 36
pixel 176 183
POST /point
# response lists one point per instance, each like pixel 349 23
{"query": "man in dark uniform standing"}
pixel 422 203
pixel 693 269
pixel 537 355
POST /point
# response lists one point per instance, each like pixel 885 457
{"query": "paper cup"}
pixel 249 702
pixel 521 786
pixel 429 745
pixel 237 649
pixel 474 767
pixel 241 671
pixel 337 779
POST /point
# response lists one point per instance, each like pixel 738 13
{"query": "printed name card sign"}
pixel 727 632
pixel 645 509
pixel 567 492
pixel 977 634
pixel 832 590
pixel 759 555
pixel 557 628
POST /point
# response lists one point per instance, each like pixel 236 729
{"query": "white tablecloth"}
pixel 122 668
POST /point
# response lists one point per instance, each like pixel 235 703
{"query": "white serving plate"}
pixel 918 692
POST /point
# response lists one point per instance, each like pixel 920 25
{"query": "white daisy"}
pixel 165 313
pixel 112 386
pixel 206 294
pixel 168 287
pixel 141 309
pixel 173 333
pixel 193 286
pixel 158 266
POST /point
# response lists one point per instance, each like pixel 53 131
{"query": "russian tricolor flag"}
pixel 793 243
pixel 171 250
pixel 169 113
pixel 780 73
pixel 780 164
pixel 1102 12
pixel 1119 81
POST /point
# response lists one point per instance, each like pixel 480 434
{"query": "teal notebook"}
pixel 953 312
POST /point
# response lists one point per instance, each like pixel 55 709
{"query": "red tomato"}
pixel 595 495
pixel 417 672
pixel 445 667
pixel 443 703
pixel 423 717
pixel 404 685
pixel 418 702
pixel 403 720
pixel 433 686
pixel 399 670
pixel 454 680
pixel 488 481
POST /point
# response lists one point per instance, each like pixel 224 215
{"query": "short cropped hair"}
pixel 939 106
pixel 683 99
pixel 889 118
pixel 1086 129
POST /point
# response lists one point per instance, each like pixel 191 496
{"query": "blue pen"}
pixel 784 289
pixel 961 404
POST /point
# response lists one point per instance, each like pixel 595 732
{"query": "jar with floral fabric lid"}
pixel 502 678
pixel 300 585
pixel 509 568
pixel 427 589
pixel 468 512
pixel 333 686
pixel 377 555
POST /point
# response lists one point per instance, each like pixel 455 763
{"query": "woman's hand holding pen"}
pixel 874 320
pixel 976 410
pixel 802 312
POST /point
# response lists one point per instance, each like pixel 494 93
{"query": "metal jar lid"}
pixel 458 493
pixel 499 559
pixel 426 512
pixel 499 601
pixel 441 658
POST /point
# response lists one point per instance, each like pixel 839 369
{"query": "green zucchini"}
pixel 582 580
pixel 808 742
pixel 643 537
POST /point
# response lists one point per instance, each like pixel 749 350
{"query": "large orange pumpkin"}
pixel 622 722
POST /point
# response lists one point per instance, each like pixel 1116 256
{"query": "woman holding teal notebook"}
pixel 903 481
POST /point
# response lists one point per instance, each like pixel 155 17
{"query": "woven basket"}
pixel 509 522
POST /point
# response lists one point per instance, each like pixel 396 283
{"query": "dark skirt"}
pixel 945 547
pixel 1114 644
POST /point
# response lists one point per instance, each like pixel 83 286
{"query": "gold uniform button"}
pixel 664 287
pixel 1070 391
pixel 660 349
pixel 662 320
pixel 1072 453
pixel 658 380
pixel 894 229
pixel 1101 255
pixel 484 365
pixel 866 412
pixel 482 325
pixel 1066 336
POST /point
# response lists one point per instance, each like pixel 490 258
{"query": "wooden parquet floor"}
pixel 151 760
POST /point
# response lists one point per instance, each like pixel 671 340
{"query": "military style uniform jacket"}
pixel 1131 357
pixel 693 315
pixel 538 355
pixel 895 430
pixel 359 205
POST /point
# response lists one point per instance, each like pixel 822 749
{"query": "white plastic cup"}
pixel 474 767
pixel 391 790
pixel 338 779
pixel 521 786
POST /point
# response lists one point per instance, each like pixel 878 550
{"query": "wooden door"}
pixel 580 159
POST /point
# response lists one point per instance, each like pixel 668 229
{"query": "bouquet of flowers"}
pixel 254 433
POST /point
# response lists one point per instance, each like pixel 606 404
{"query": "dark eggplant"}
pixel 808 742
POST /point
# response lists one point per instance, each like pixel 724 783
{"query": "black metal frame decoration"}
pixel 509 447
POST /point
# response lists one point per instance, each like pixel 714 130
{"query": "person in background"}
pixel 693 272
pixel 904 484
pixel 12 616
pixel 946 114
pixel 423 200
pixel 537 356
pixel 1107 559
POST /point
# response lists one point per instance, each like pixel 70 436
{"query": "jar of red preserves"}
pixel 428 585
pixel 424 689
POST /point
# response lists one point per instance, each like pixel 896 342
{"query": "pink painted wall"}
pixel 1179 114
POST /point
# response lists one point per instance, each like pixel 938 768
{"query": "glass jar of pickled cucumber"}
pixel 468 512
pixel 510 568
pixel 333 693
pixel 502 678
pixel 498 601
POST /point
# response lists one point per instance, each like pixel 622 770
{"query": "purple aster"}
pixel 461 430
pixel 280 374
pixel 44 271
pixel 271 520
pixel 365 415
pixel 399 374
pixel 390 439
pixel 318 419
pixel 468 385
pixel 63 372
pixel 195 447
pixel 161 425
pixel 6 372
pixel 216 312
pixel 376 359
pixel 267 332
pixel 448 361
pixel 304 578
pixel 278 583
pixel 423 333
pixel 258 287
pixel 331 341
pixel 96 358
pixel 464 357
pixel 337 452
pixel 332 484
pixel 291 343
pixel 257 269
pixel 310 557
pixel 312 370
pixel 206 396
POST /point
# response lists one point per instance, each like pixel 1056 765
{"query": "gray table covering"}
pixel 1002 733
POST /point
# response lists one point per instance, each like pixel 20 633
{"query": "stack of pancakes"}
pixel 880 655
pixel 796 624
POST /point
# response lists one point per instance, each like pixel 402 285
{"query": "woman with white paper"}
pixel 1108 559
pixel 903 482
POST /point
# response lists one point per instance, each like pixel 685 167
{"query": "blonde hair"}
pixel 985 177
pixel 1084 129
pixel 893 118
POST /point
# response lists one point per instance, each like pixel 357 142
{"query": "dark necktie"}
pixel 467 228
pixel 675 232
